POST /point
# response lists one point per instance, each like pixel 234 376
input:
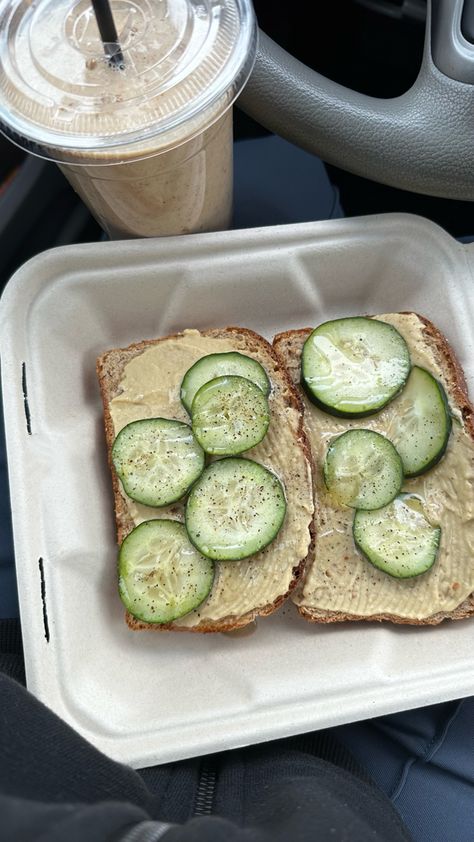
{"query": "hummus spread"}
pixel 342 580
pixel 150 388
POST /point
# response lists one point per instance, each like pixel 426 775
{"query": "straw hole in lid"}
pixel 26 404
pixel 43 599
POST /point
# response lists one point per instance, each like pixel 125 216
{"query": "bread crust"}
pixel 286 345
pixel 110 367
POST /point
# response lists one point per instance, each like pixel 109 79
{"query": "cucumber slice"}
pixel 363 470
pixel 234 509
pixel 353 367
pixel 230 414
pixel 398 538
pixel 161 575
pixel 422 424
pixel 216 365
pixel 157 459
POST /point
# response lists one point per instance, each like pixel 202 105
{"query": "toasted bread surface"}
pixel 256 586
pixel 340 585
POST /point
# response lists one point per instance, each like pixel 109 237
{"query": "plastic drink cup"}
pixel 147 146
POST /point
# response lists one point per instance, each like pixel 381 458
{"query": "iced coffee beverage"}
pixel 147 144
pixel 184 190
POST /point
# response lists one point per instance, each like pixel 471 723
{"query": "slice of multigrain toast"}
pixel 143 381
pixel 339 584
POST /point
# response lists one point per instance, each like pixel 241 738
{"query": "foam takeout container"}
pixel 146 698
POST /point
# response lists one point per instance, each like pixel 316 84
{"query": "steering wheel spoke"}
pixel 420 141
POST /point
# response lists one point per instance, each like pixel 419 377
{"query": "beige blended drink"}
pixel 148 147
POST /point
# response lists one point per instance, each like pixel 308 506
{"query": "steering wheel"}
pixel 422 141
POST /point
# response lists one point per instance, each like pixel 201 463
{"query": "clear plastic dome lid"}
pixel 185 61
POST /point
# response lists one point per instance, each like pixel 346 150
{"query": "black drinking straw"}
pixel 108 32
